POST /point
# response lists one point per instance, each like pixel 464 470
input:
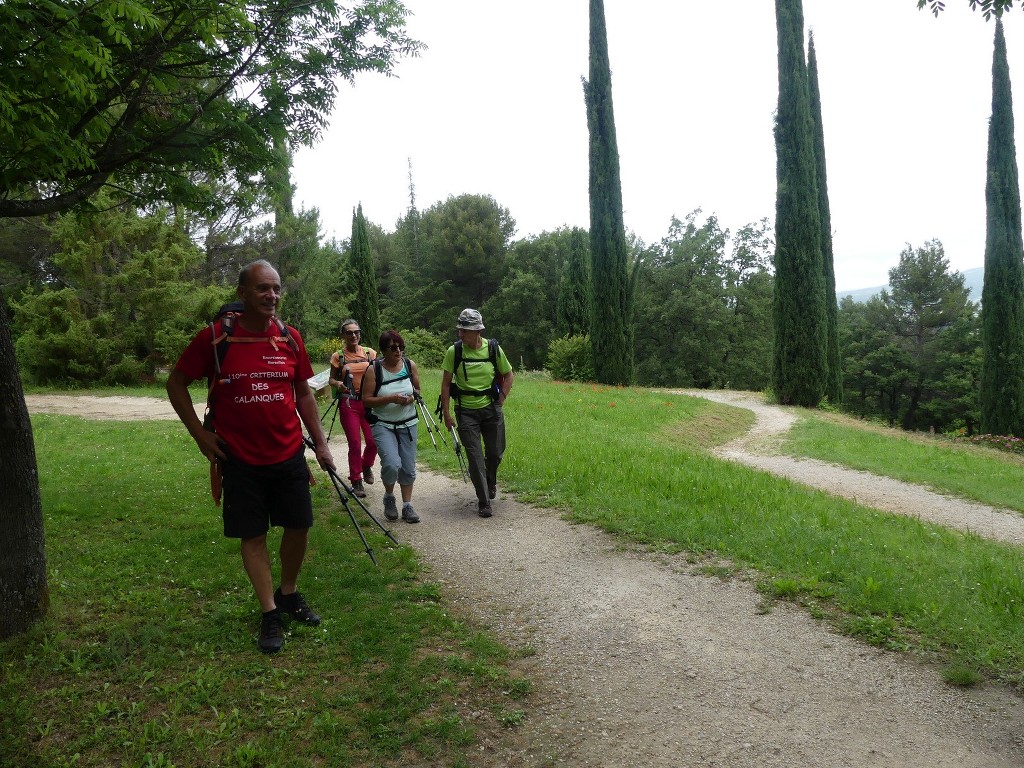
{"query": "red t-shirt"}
pixel 254 411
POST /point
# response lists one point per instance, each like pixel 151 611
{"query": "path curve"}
pixel 882 493
pixel 640 662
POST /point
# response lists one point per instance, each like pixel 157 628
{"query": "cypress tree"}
pixel 574 290
pixel 1002 296
pixel 833 361
pixel 798 365
pixel 365 307
pixel 610 336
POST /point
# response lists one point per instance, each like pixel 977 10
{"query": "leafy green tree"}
pixel 120 308
pixel 833 363
pixel 523 314
pixel 988 7
pixel 681 297
pixel 799 365
pixel 1002 297
pixel 925 301
pixel 877 367
pixel 149 101
pixel 365 306
pixel 912 354
pixel 610 336
pixel 146 99
pixel 574 289
pixel 711 309
pixel 750 285
pixel 465 241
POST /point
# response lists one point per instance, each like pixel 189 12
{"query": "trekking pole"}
pixel 425 416
pixel 343 490
pixel 333 406
pixel 458 453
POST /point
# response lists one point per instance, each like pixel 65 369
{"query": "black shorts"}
pixel 257 497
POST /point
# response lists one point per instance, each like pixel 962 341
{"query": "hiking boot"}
pixel 271 632
pixel 390 506
pixel 295 605
pixel 368 475
pixel 357 489
pixel 409 514
pixel 485 509
pixel 492 490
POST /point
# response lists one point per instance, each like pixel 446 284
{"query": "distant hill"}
pixel 973 279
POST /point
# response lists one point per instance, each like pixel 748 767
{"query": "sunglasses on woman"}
pixel 393 347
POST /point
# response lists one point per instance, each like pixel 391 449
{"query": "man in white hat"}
pixel 478 376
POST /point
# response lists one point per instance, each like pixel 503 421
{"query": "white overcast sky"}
pixel 495 107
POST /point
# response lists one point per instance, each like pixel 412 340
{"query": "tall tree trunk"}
pixel 610 336
pixel 1002 296
pixel 24 593
pixel 798 366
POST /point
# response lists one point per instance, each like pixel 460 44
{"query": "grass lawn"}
pixel 148 655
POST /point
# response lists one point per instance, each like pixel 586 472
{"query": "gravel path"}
pixel 639 661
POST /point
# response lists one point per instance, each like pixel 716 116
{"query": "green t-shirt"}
pixel 475 372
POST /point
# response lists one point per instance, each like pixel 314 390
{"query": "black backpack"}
pixel 494 390
pixel 378 374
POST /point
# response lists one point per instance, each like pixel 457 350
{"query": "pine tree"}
pixel 610 336
pixel 798 365
pixel 365 306
pixel 833 360
pixel 1002 297
pixel 574 290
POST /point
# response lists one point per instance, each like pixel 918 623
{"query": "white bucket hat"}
pixel 470 320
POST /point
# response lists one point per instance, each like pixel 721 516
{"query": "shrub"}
pixel 423 347
pixel 570 359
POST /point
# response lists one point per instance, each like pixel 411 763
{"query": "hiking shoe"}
pixel 409 514
pixel 390 506
pixel 368 475
pixel 485 509
pixel 357 489
pixel 295 605
pixel 271 632
pixel 492 490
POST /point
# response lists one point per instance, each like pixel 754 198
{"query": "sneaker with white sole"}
pixel 390 506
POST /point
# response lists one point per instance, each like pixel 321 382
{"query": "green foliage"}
pixel 124 309
pixel 320 351
pixel 153 100
pixel 571 359
pixel 365 306
pixel 833 361
pixel 426 349
pixel 610 336
pixel 702 317
pixel 989 8
pixel 799 364
pixel 1002 298
pixel 912 354
pixel 465 244
pixel 574 288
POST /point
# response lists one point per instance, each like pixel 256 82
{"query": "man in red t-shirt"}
pixel 260 395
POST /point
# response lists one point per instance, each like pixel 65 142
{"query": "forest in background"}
pixel 111 296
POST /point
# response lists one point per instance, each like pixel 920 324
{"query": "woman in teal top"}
pixel 394 405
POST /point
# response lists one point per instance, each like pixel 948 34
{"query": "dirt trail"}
pixel 641 662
